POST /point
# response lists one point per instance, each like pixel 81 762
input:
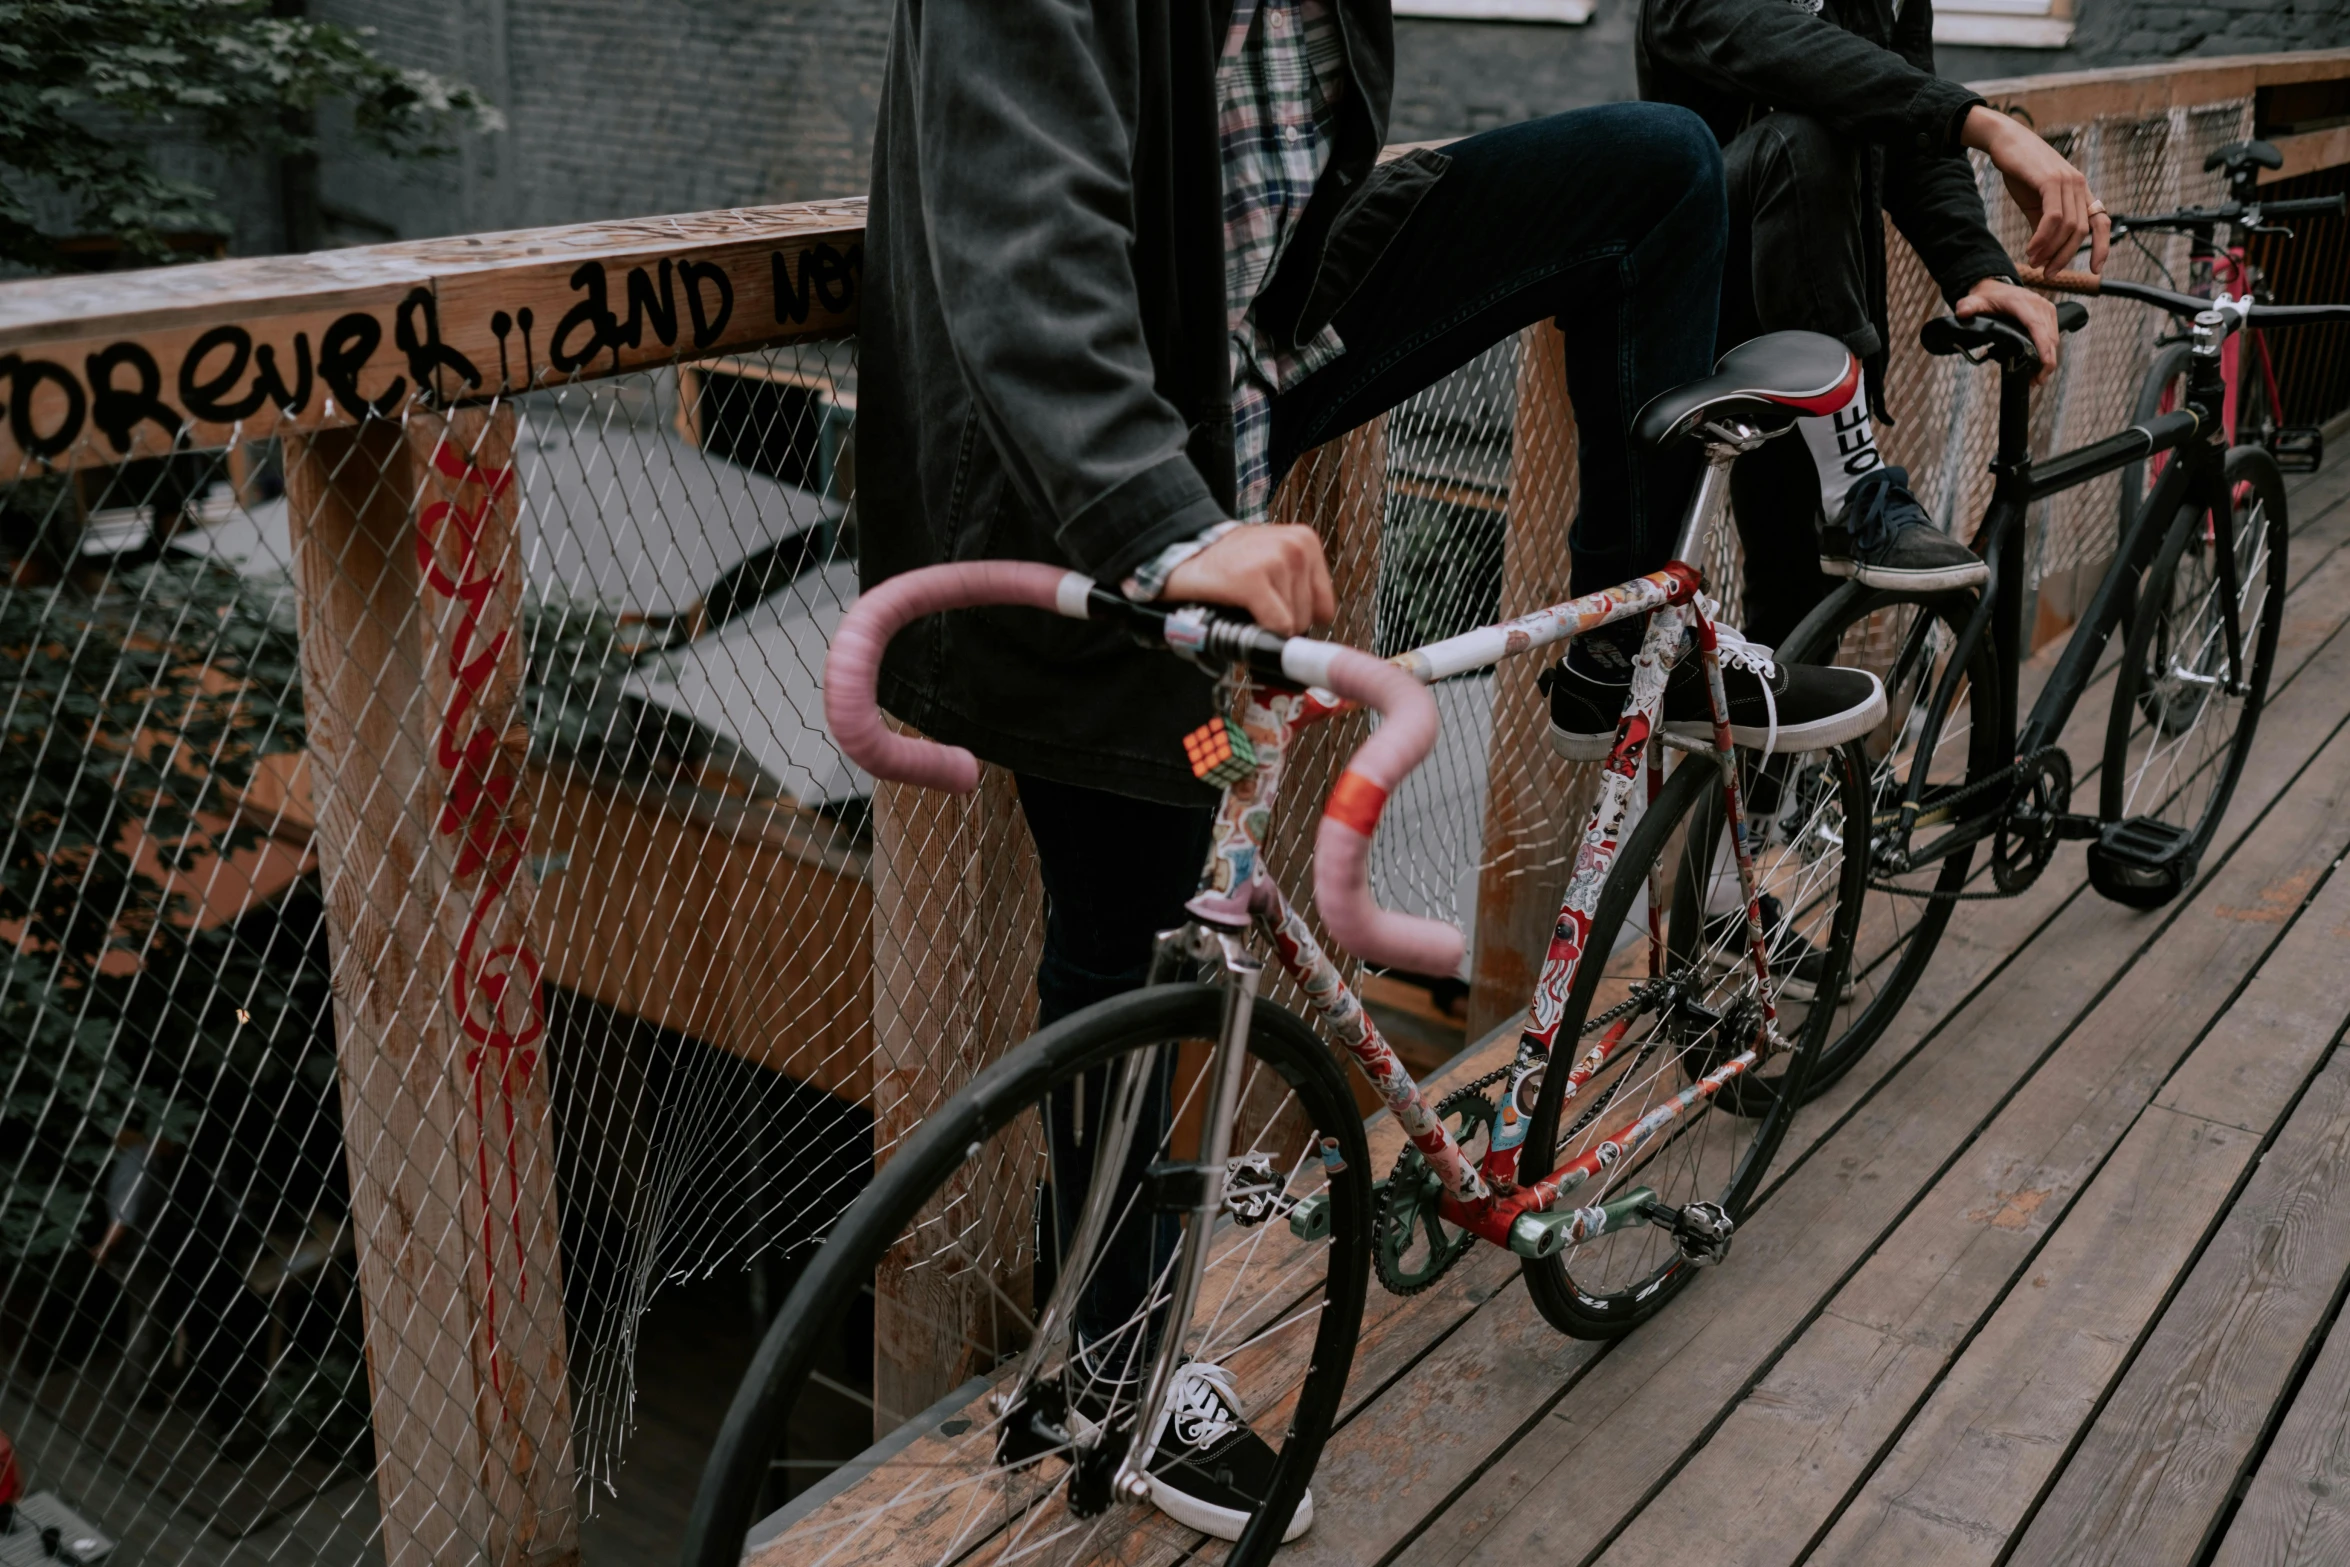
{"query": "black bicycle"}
pixel 2197 584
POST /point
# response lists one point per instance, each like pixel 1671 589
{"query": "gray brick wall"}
pixel 621 108
pixel 633 107
pixel 2144 32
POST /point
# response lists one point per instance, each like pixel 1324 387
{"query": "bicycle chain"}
pixel 2008 776
pixel 1398 1211
pixel 1409 1196
pixel 1640 997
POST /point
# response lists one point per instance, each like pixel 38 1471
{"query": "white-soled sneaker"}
pixel 1774 707
pixel 1208 1470
pixel 1884 538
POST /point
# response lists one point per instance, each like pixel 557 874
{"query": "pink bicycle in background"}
pixel 2254 408
pixel 1207 1286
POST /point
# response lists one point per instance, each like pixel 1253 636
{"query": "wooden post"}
pixel 1534 802
pixel 409 585
pixel 958 925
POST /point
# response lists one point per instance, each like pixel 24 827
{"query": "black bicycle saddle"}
pixel 2238 156
pixel 1768 382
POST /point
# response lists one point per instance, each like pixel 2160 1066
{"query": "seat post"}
pixel 1725 442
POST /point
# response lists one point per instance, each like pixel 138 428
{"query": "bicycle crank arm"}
pixel 1548 1234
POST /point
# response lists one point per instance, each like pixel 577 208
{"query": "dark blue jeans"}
pixel 1611 220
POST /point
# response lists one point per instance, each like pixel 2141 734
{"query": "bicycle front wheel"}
pixel 1645 1087
pixel 2184 708
pixel 955 1377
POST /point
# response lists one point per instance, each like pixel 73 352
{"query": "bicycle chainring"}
pixel 1404 1206
pixel 2027 836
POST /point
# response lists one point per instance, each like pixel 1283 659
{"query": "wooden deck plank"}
pixel 2151 1479
pixel 1646 1404
pixel 2298 1507
pixel 1965 1471
pixel 1927 1285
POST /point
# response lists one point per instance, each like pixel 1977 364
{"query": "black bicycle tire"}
pixel 1824 629
pixel 1548 1282
pixel 1688 921
pixel 2243 464
pixel 736 1469
pixel 2169 364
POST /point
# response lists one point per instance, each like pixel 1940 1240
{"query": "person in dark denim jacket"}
pixel 1831 118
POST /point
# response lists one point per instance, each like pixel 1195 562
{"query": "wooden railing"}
pixel 387 375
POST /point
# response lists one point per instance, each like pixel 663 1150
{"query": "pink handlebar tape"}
pixel 1342 848
pixel 853 666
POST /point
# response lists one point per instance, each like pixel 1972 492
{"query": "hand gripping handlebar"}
pixel 1342 859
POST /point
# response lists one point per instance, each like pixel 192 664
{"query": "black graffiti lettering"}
pixel 827 277
pixel 707 325
pixel 206 397
pixel 119 411
pixel 644 306
pixel 343 352
pixel 594 314
pixel 790 304
pixel 24 381
pixel 832 277
pixel 267 380
pixel 427 354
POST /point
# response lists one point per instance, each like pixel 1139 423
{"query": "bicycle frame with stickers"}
pixel 1274 687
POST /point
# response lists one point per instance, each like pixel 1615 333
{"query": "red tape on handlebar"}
pixel 1356 802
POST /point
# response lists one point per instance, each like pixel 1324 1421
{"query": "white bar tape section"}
pixel 1308 662
pixel 1069 598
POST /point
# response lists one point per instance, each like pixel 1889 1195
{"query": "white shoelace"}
pixel 1735 652
pixel 1203 1405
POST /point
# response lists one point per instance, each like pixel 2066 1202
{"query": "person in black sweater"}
pixel 1830 116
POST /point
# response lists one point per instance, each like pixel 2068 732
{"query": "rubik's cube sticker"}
pixel 1220 755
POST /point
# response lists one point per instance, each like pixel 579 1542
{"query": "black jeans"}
pixel 1798 200
pixel 1609 219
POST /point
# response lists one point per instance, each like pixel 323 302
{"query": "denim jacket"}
pixel 1043 371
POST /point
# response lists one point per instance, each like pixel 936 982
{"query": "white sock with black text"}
pixel 1843 447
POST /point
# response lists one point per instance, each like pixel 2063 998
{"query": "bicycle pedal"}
pixel 1702 1230
pixel 2142 863
pixel 2298 448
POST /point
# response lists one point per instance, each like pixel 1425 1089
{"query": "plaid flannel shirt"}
pixel 1278 87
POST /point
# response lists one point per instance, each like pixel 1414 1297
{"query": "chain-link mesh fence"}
pixel 438 925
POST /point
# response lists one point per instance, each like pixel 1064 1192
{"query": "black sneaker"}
pixel 1773 706
pixel 1791 954
pixel 1209 1471
pixel 1884 538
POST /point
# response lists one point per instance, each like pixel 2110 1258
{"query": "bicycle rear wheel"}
pixel 1944 741
pixel 2182 720
pixel 945 1271
pixel 1669 1009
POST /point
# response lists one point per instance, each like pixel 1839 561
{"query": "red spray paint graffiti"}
pixel 496 990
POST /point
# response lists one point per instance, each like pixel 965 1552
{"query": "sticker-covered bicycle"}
pixel 1193 1300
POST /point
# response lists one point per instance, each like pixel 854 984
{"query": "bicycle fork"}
pixel 1243 975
